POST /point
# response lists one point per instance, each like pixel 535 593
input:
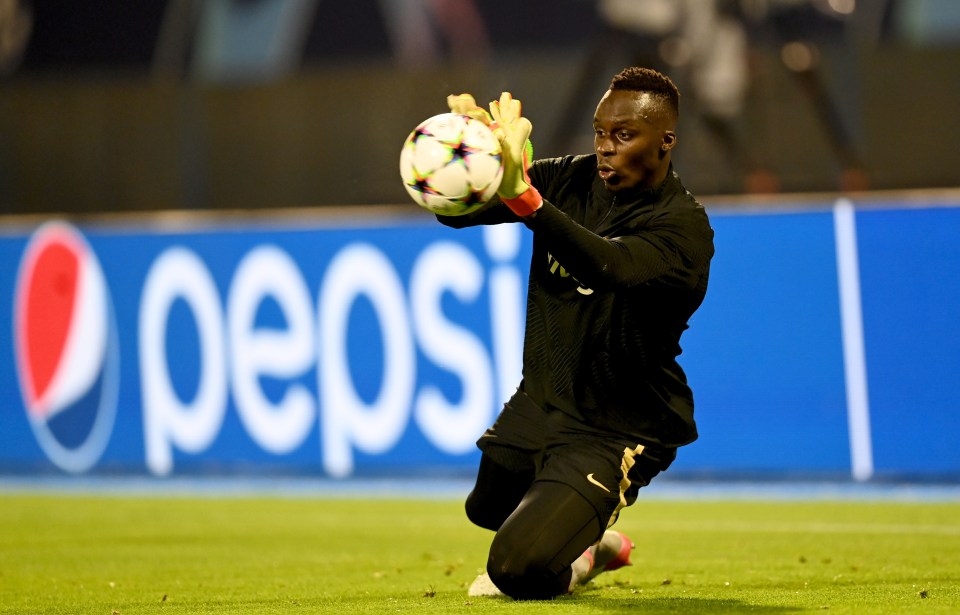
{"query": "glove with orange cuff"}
pixel 513 131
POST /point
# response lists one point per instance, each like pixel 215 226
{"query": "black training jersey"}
pixel 613 281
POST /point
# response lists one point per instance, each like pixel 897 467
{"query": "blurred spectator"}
pixel 701 43
pixel 265 39
pixel 711 46
pixel 802 33
pixel 16 22
pixel 252 39
pixel 420 30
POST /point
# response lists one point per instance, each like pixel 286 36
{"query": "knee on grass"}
pixel 525 578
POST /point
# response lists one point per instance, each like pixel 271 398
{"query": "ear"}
pixel 669 141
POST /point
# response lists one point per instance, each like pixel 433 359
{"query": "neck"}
pixel 656 179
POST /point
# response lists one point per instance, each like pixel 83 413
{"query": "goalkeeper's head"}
pixel 658 85
pixel 635 129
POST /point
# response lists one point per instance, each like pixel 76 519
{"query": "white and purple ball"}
pixel 451 164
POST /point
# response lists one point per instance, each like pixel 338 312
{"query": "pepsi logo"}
pixel 65 343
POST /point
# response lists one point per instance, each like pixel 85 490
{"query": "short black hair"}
pixel 639 79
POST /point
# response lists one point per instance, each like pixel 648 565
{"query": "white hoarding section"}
pixel 169 421
pixel 265 273
pixel 453 427
pixel 347 422
pixel 854 353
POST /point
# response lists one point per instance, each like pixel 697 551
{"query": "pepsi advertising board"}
pixel 825 347
pixel 328 350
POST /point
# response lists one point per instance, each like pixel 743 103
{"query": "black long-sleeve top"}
pixel 613 282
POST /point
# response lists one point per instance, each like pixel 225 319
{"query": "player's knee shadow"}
pixel 634 604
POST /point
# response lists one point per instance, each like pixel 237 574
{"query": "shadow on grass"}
pixel 665 604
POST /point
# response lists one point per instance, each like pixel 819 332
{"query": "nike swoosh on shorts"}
pixel 591 479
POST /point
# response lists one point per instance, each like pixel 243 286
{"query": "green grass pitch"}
pixel 130 555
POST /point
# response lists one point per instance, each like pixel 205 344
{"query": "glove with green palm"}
pixel 513 131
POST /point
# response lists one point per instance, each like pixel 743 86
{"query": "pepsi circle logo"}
pixel 65 342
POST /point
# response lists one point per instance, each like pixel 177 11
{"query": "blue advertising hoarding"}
pixel 825 346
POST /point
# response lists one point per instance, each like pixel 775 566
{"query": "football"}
pixel 451 164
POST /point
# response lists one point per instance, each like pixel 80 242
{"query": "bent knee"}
pixel 525 572
pixel 526 581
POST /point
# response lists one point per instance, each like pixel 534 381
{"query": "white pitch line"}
pixel 854 354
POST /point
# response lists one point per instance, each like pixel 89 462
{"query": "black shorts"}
pixel 605 468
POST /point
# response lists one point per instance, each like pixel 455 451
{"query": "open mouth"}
pixel 605 172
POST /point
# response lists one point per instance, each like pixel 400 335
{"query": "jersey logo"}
pixel 591 479
pixel 557 269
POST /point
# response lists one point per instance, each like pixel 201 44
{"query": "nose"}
pixel 603 145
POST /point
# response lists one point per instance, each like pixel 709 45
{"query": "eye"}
pixel 624 135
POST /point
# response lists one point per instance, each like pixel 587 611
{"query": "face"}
pixel 633 136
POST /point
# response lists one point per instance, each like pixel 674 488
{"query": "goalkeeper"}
pixel 621 257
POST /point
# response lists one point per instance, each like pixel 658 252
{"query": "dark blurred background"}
pixel 135 105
